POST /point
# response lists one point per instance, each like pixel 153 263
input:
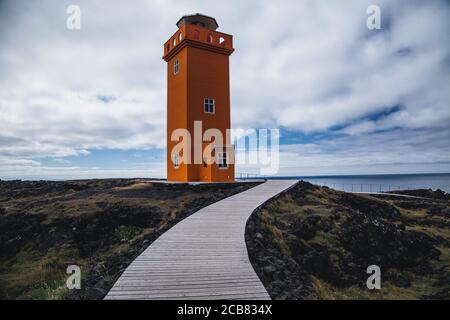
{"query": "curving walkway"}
pixel 202 257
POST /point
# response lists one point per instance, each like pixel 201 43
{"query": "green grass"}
pixel 388 291
pixel 128 232
pixel 279 216
pixel 33 275
pixel 113 217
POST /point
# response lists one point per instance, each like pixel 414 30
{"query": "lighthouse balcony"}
pixel 197 35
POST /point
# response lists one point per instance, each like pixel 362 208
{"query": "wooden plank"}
pixel 229 280
pixel 203 256
pixel 244 288
pixel 261 296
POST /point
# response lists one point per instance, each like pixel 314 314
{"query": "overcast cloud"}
pixel 350 99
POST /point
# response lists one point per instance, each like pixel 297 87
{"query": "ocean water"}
pixel 377 183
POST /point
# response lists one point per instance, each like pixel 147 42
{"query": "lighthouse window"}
pixel 176 67
pixel 222 160
pixel 209 105
pixel 196 34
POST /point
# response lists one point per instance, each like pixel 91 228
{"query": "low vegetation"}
pixel 99 225
pixel 316 243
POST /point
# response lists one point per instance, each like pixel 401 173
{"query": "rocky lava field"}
pixel 99 225
pixel 316 243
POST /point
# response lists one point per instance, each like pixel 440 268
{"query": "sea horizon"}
pixel 379 182
pixel 349 182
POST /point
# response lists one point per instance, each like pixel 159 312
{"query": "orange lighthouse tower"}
pixel 198 102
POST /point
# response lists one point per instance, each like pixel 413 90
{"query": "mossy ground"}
pixel 99 225
pixel 331 237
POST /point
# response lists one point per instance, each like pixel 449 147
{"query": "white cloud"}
pixel 60 160
pixel 418 151
pixel 329 70
pixel 308 66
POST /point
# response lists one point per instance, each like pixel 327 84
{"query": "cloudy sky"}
pixel 347 100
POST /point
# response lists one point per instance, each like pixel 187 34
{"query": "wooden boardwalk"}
pixel 202 257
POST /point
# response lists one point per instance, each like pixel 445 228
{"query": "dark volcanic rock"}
pixel 101 225
pixel 17 230
pixel 426 193
pixel 306 228
pixel 375 241
pixel 369 207
pixel 280 274
pixel 332 237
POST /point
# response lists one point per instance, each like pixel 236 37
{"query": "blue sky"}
pixel 347 100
